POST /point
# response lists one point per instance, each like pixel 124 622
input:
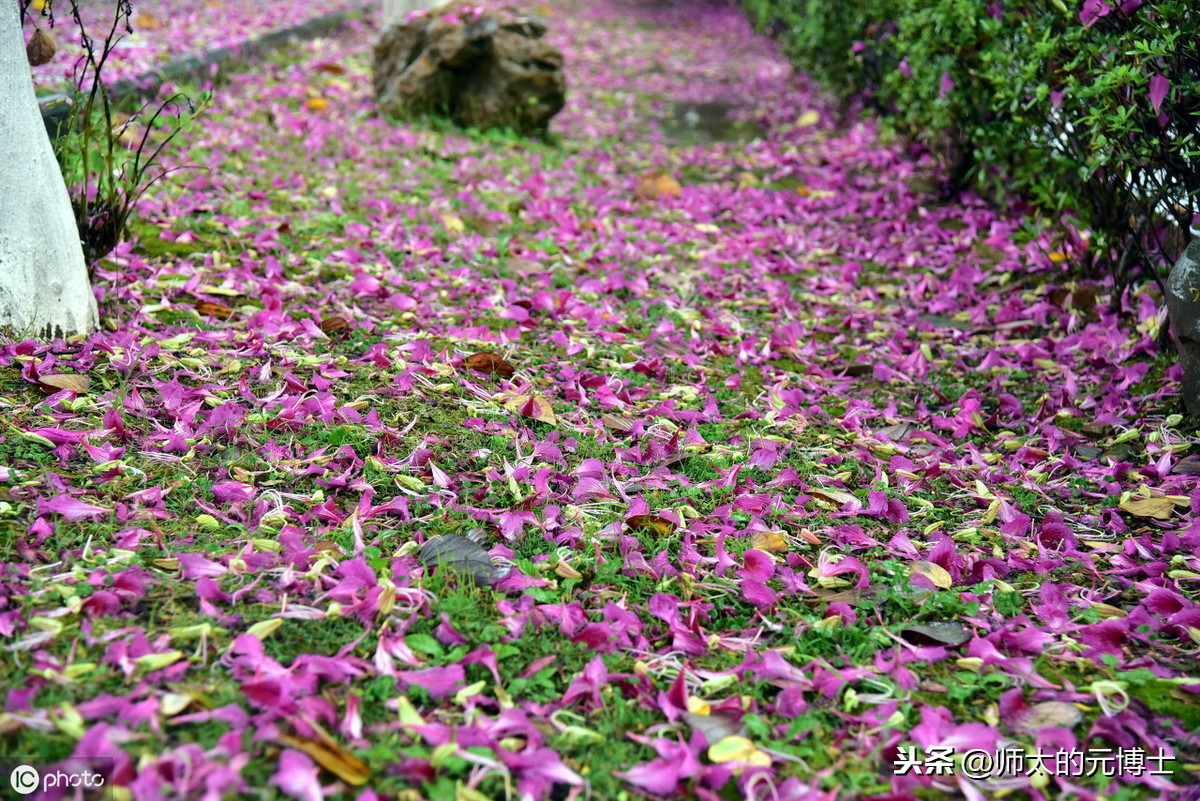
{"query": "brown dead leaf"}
pixel 532 406
pixel 1048 714
pixel 934 572
pixel 331 756
pixel 619 424
pixel 649 523
pixel 655 185
pixel 333 325
pixel 1082 298
pixel 207 308
pixel 488 362
pixel 896 433
pixel 858 369
pixel 526 267
pixel 1158 508
pixel 146 21
pixel 769 541
pixel 332 68
pixel 41 48
pixel 1097 429
pixel 564 570
pixel 59 381
pixel 1187 466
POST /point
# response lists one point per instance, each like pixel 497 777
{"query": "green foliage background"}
pixel 1037 98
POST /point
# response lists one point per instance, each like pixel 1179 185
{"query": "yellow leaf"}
pixel 808 118
pixel 316 104
pixel 649 523
pixel 331 756
pixel 738 749
pixel 533 406
pixel 453 223
pixel 934 572
pixel 769 541
pixel 1158 508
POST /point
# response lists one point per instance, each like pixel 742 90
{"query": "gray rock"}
pixel 1183 308
pixel 485 70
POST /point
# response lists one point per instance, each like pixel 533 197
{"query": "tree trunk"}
pixel 44 288
pixel 395 11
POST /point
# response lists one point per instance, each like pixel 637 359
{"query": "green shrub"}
pixel 1089 108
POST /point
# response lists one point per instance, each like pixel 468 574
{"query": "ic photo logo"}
pixel 24 779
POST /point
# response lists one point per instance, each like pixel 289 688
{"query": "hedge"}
pixel 1089 109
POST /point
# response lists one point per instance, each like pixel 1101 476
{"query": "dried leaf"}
pixel 1187 466
pixel 1097 429
pixel 460 555
pixel 858 369
pixel 654 185
pixel 532 406
pixel 745 180
pixel 331 756
pixel 332 325
pixel 332 68
pixel 836 497
pixel 564 570
pixel 1158 508
pixel 934 572
pixel 146 21
pixel 207 308
pixel 649 523
pixel 1049 714
pixel 936 632
pixel 488 362
pixel 1088 453
pixel 619 424
pixel 769 541
pixel 715 728
pixel 41 48
pixel 526 267
pixel 896 433
pixel 59 381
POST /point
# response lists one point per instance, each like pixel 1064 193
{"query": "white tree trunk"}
pixel 396 10
pixel 44 288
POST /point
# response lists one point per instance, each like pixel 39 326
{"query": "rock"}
pixel 485 69
pixel 1183 309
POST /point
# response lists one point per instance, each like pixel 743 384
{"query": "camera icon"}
pixel 24 779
